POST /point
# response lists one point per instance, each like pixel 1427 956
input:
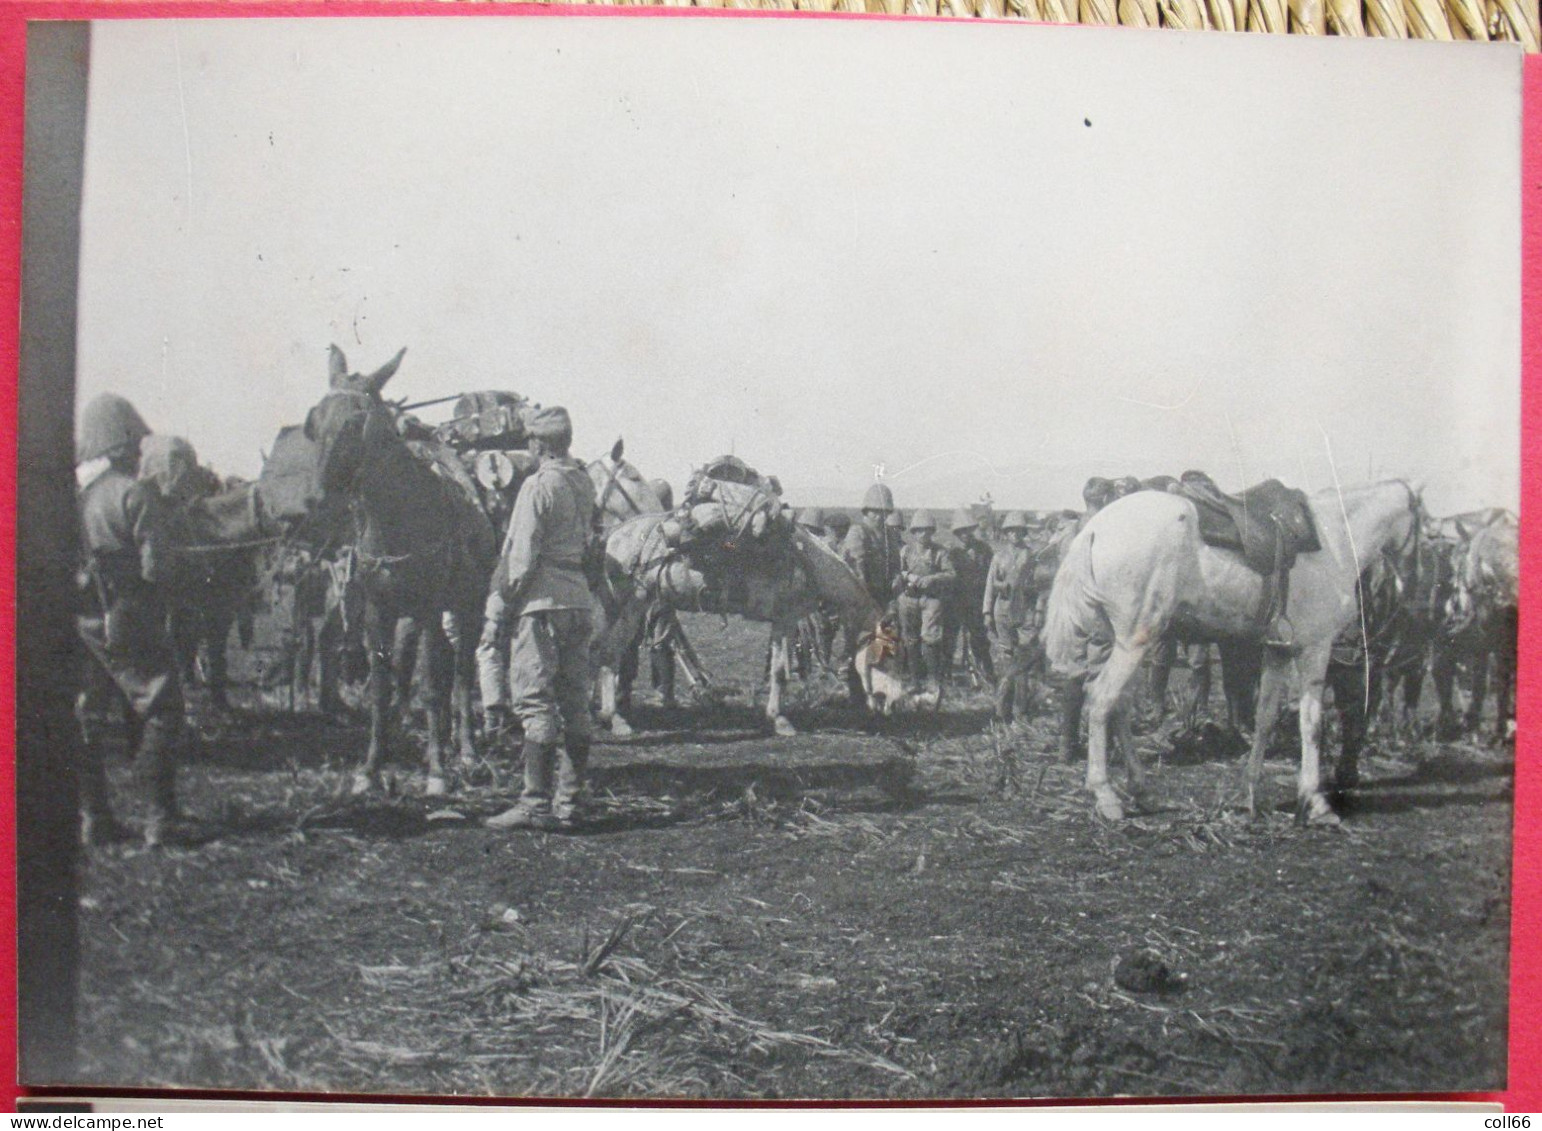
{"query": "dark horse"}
pixel 422 551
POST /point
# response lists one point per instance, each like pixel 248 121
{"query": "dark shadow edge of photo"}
pixel 47 831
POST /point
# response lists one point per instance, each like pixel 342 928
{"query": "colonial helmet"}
pixel 837 522
pixel 109 426
pixel 1017 520
pixel 923 520
pixel 963 520
pixel 878 498
pixel 895 520
pixel 811 517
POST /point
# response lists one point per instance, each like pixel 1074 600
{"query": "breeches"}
pixel 921 618
pixel 141 667
pixel 549 673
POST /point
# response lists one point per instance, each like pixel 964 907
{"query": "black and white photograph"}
pixel 766 559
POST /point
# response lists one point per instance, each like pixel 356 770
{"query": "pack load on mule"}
pixel 488 434
pixel 729 513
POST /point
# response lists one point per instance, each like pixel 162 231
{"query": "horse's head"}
pixel 620 491
pixel 349 423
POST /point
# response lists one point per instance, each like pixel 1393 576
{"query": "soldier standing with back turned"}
pixel 122 619
pixel 543 585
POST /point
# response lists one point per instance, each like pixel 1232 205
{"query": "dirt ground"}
pixel 923 909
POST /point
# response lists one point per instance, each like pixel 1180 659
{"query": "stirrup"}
pixel 1281 636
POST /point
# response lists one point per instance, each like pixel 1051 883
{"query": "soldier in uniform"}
pixel 1005 611
pixel 837 526
pixel 972 563
pixel 872 547
pixel 122 621
pixel 541 578
pixel 925 583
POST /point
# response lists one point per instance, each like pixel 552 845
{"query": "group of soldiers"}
pixel 965 599
pixel 128 565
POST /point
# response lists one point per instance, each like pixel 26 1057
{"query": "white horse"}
pixel 1139 566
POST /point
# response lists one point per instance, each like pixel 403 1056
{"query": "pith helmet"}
pixel 878 498
pixel 895 520
pixel 109 426
pixel 923 520
pixel 838 522
pixel 1017 520
pixel 963 520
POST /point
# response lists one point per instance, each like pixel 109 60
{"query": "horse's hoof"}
pixel 436 786
pixel 363 783
pixel 620 727
pixel 1108 805
pixel 1315 810
pixel 784 728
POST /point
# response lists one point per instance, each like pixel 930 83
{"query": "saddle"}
pixel 1267 525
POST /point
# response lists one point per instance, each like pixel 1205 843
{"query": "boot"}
pixel 533 809
pixel 1072 694
pixel 1006 691
pixel 155 768
pixel 97 823
pixel 915 664
pixel 936 665
pixel 570 804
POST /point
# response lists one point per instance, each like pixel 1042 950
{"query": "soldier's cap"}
pixel 550 424
pixel 1017 520
pixel 963 520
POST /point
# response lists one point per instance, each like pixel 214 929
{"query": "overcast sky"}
pixel 981 258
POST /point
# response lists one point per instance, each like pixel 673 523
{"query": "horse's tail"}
pixel 1072 614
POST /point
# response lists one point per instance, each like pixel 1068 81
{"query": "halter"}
pixel 372 563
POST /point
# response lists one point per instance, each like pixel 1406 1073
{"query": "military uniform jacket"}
pixel 928 571
pixel 123 534
pixel 1002 583
pixel 122 618
pixel 972 563
pixel 543 553
pixel 875 555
